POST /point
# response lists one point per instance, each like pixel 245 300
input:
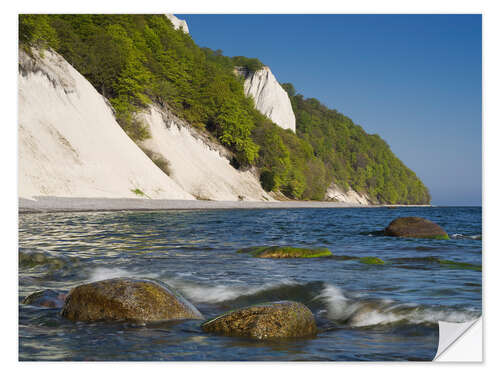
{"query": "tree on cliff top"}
pixel 251 64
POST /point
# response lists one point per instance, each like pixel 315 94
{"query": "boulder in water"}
pixel 416 227
pixel 286 252
pixel 282 319
pixel 46 298
pixel 371 260
pixel 127 299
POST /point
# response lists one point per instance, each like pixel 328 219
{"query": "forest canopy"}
pixel 138 60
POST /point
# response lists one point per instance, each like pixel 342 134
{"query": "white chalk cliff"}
pixel 69 142
pixel 198 164
pixel 70 145
pixel 270 98
pixel 337 194
pixel 178 23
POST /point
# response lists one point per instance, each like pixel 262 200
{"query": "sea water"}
pixel 364 312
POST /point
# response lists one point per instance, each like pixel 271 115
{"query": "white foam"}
pixel 464 236
pixel 339 307
pixel 220 292
pixel 104 273
pixel 373 317
pixel 362 313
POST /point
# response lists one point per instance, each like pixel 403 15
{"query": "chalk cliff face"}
pixel 269 97
pixel 336 193
pixel 178 24
pixel 70 144
pixel 198 164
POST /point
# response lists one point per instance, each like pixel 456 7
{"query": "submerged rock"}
pixel 285 252
pixel 462 265
pixel 127 299
pixel 416 227
pixel 371 260
pixel 46 298
pixel 32 259
pixel 265 321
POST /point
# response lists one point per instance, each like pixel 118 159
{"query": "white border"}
pixel 491 65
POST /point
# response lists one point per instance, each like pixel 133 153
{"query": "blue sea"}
pixel 364 312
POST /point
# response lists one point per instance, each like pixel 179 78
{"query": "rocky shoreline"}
pixel 66 204
pixel 143 301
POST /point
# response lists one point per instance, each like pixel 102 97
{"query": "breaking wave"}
pixel 369 312
pixel 326 301
pixel 458 236
pixel 235 293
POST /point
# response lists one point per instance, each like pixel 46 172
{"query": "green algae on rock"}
pixel 371 260
pixel 415 227
pixel 461 265
pixel 439 261
pixel 274 320
pixel 127 299
pixel 286 252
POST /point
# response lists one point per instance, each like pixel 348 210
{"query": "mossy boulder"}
pixel 415 227
pixel 126 299
pixel 275 320
pixel 46 298
pixel 286 252
pixel 371 260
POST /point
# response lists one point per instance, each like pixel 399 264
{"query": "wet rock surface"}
pixel 284 319
pixel 46 298
pixel 127 299
pixel 285 252
pixel 415 227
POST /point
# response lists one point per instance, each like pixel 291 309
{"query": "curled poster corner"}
pixel 460 342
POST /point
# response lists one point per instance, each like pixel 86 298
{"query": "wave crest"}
pixel 371 312
pixel 459 236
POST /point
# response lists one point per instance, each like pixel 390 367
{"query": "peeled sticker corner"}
pixel 460 342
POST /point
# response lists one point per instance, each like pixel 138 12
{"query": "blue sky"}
pixel 413 79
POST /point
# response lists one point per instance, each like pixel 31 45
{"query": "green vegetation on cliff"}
pixel 354 158
pixel 136 60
